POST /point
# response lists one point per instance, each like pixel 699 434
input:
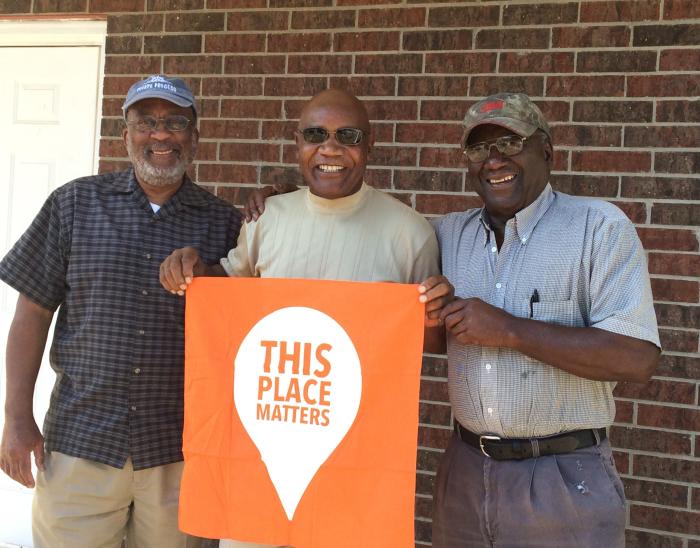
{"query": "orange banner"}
pixel 301 412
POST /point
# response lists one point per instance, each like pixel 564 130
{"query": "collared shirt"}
pixel 585 261
pixel 94 250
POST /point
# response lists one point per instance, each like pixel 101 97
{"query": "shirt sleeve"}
pixel 36 265
pixel 427 261
pixel 621 298
pixel 238 261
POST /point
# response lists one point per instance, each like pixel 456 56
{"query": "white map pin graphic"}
pixel 299 410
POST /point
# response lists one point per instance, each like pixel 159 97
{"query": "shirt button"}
pixel 147 255
pixel 524 240
pixel 498 286
pixel 493 249
pixel 142 332
pixel 144 292
pixel 137 370
pixel 490 410
pixel 488 366
pixel 133 408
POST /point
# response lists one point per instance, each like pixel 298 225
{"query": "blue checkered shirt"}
pixel 94 250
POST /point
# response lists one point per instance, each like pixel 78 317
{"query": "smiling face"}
pixel 508 184
pixel 330 169
pixel 160 157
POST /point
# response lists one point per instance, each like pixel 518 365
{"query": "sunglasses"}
pixel 347 136
pixel 509 145
pixel 149 124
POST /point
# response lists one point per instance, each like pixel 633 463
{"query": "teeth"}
pixel 160 152
pixel 330 169
pixel 502 180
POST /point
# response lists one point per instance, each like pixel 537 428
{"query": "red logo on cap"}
pixel 492 105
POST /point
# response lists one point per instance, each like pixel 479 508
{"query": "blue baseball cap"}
pixel 163 87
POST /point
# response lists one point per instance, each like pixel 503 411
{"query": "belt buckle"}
pixel 488 438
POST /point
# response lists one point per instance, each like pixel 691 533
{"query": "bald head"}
pixel 332 100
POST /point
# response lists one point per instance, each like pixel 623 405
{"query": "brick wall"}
pixel 619 82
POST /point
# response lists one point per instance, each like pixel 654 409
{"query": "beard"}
pixel 157 175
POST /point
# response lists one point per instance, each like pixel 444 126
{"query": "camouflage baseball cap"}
pixel 513 111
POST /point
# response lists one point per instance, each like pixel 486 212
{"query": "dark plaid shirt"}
pixel 95 249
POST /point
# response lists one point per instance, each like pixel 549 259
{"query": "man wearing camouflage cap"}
pixel 110 455
pixel 553 306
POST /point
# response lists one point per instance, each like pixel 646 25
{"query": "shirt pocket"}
pixel 564 313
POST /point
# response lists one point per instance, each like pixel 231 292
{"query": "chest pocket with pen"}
pixel 564 313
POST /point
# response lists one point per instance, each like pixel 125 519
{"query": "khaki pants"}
pixel 80 503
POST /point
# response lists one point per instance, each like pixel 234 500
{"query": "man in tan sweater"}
pixel 338 228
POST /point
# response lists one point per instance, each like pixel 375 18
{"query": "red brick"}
pixel 460 39
pixel 554 111
pixel 428 133
pixel 695 504
pixel 188 22
pixel 365 2
pixel 425 483
pixel 639 10
pixel 234 43
pixel 434 367
pixel 460 63
pixel 175 5
pixel 391 17
pixel 590 37
pixel 665 35
pixel 365 86
pixel 290 154
pixel 675 340
pixel 249 152
pixel 254 64
pixel 300 3
pixel 292 108
pixel 433 413
pixel 229 129
pixel 112 148
pixel 681 367
pixel 258 20
pixel 679 418
pixel 536 62
pixel 323 19
pixel 440 204
pixel 667 468
pixel 611 161
pixel 319 64
pixel 134 23
pixel 540 14
pixel 392 110
pixel 388 64
pixel 615 61
pixel 232 86
pixel 112 107
pixel 227 173
pixel 614 111
pixel 270 175
pixel 173 43
pixel 434 391
pixel 428 460
pixel 591 135
pixel 585 185
pixel 442 86
pixel 206 151
pixel 639 539
pixel 674 264
pixel 678 111
pixel 661 187
pixel 434 181
pixel 366 41
pixel 668 239
pixel 677 162
pixel 561 161
pixel 124 44
pixel 658 390
pixel 436 438
pixel 111 127
pixel 442 157
pixel 487 85
pixel 656 492
pixel 523 39
pixel 103 6
pixel 132 64
pixel 662 136
pixel 450 110
pixel 622 461
pixel 653 441
pixel 209 108
pixel 586 86
pixel 464 16
pixel 305 86
pixel 624 412
pixel 663 519
pixel 678 315
pixel 681 9
pixel 304 42
pixel 679 59
pixel 636 211
pixel 380 178
pixel 235 4
pixel 423 508
pixel 16 6
pixel 277 130
pixel 679 85
pixel 193 64
pixel 251 108
pixel 676 214
pixel 392 156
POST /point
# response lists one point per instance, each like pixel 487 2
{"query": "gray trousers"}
pixel 558 501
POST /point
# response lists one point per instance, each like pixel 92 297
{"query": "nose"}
pixel 495 157
pixel 331 147
pixel 160 132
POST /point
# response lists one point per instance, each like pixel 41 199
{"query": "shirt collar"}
pixel 188 193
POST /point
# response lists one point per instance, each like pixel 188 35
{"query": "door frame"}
pixel 63 32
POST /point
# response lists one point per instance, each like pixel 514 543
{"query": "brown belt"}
pixel 525 448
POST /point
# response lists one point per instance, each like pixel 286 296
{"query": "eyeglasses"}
pixel 347 136
pixel 149 124
pixel 508 145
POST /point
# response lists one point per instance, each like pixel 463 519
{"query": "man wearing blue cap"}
pixel 110 456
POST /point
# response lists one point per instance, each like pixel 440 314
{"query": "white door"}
pixel 48 119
